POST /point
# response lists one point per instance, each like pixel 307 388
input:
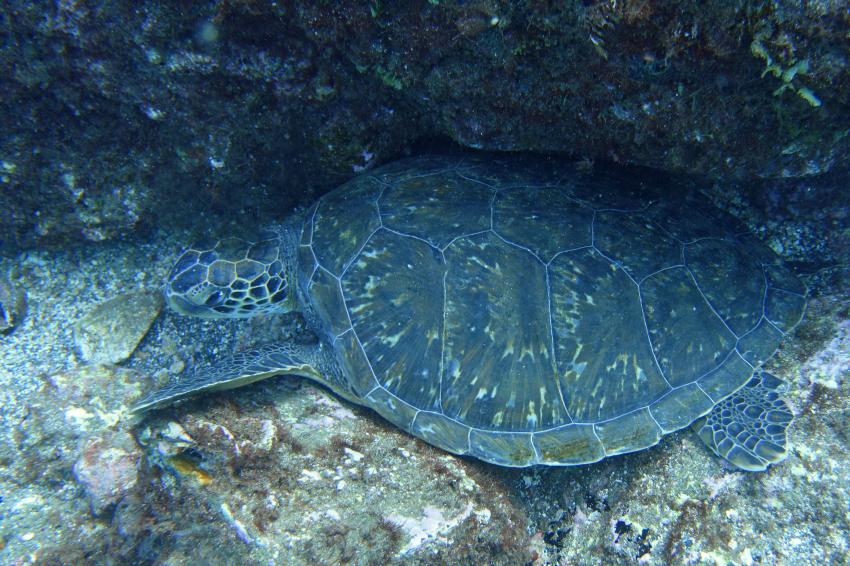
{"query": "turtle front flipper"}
pixel 748 428
pixel 311 360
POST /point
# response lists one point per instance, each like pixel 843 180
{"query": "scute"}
pixel 502 174
pixel 688 338
pixel 394 296
pixel 784 308
pixel 247 269
pixel 441 431
pixel 629 432
pixel 569 445
pixel 545 220
pixel 325 290
pixel 759 345
pixel 343 222
pixel 635 243
pixel 355 364
pixel 189 278
pixel 687 218
pixel 726 379
pixel 392 408
pixel 676 409
pixel 437 208
pixel 424 166
pixel 222 273
pixel 605 363
pixel 503 448
pixel 527 316
pixel 497 324
pixel 731 280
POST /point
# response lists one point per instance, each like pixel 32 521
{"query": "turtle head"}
pixel 232 278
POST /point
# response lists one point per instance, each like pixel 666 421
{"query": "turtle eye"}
pixel 215 299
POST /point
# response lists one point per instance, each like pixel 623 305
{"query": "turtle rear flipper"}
pixel 748 428
pixel 310 360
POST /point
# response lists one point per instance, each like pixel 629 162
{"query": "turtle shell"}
pixel 527 313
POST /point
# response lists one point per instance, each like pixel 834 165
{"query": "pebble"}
pixel 310 475
pixel 353 454
pixel 333 514
pixel 13 304
pixel 176 367
pixel 110 332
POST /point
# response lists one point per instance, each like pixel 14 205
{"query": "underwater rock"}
pixel 91 398
pixel 110 332
pixel 170 440
pixel 299 477
pixel 432 525
pixel 302 97
pixel 108 469
pixel 69 410
pixel 13 304
pixel 830 367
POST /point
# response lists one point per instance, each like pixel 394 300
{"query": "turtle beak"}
pixel 184 307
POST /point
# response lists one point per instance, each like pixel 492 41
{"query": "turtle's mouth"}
pixel 188 308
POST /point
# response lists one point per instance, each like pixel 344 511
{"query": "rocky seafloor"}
pixel 283 472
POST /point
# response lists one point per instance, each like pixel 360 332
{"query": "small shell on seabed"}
pixel 13 304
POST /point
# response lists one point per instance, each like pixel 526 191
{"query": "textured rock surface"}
pixel 298 477
pixel 807 220
pixel 110 332
pixel 108 469
pixel 120 117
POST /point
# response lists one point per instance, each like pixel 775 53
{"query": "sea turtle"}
pixel 519 311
